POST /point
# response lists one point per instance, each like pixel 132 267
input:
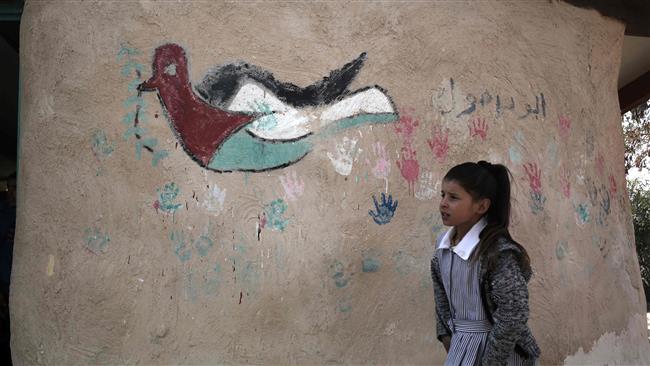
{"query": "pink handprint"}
pixel 381 169
pixel 478 128
pixel 564 126
pixel 293 187
pixel 565 183
pixel 439 143
pixel 612 185
pixel 406 128
pixel 534 177
pixel 600 164
pixel 409 167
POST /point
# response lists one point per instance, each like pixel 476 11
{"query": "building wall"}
pixel 156 228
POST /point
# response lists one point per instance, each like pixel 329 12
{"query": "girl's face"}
pixel 458 208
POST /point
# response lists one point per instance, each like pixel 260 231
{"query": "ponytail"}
pixel 491 181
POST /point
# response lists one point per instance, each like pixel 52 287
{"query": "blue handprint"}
pixel 385 210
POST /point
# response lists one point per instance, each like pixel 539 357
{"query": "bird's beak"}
pixel 149 85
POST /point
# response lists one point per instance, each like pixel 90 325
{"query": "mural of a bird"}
pixel 200 127
pixel 249 121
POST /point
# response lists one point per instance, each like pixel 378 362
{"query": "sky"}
pixel 643 175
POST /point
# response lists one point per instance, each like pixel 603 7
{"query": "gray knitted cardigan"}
pixel 504 292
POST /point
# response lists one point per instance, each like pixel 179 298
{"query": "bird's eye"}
pixel 170 69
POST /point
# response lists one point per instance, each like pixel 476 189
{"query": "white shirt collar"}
pixel 466 246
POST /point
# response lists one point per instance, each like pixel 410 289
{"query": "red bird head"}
pixel 201 127
pixel 169 68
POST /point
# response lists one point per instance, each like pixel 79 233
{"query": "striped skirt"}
pixel 468 344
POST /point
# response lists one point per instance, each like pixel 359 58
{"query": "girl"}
pixel 480 273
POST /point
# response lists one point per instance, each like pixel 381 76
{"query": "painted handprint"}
pixel 515 152
pixel 203 245
pixel 384 211
pixel 338 274
pixel 409 167
pixel 406 128
pixel 534 177
pixel 605 206
pixel 426 189
pixel 274 215
pixel 439 143
pixel 293 187
pixel 167 196
pixel 537 201
pixel 202 283
pixel 370 262
pixel 561 250
pixel 101 147
pixel 381 169
pixel 600 164
pixel 345 155
pixel 582 213
pixel 565 182
pixel 479 127
pixel 214 199
pixel 564 126
pixel 183 247
pixel 612 185
pixel 592 191
pixel 96 241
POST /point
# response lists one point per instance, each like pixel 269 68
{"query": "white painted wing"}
pixel 369 101
pixel 283 122
pixel 280 122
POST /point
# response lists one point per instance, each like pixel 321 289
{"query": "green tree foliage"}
pixel 640 200
pixel 636 130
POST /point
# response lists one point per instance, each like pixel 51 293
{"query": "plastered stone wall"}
pixel 257 183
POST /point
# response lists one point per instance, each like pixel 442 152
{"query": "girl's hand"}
pixel 446 341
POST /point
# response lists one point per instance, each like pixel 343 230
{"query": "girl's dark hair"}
pixel 491 181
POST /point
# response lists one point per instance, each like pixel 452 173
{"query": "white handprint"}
pixel 293 187
pixel 214 198
pixel 426 189
pixel 345 156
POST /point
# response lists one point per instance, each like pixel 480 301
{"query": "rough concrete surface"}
pixel 131 250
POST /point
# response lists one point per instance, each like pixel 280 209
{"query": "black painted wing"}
pixel 222 83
